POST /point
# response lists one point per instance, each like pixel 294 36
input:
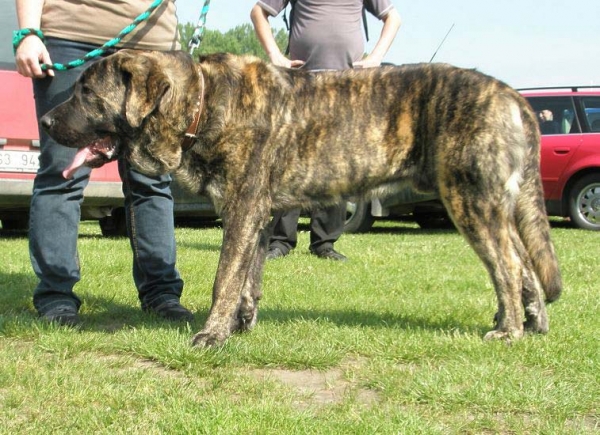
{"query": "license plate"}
pixel 19 161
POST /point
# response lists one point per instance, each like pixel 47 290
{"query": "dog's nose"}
pixel 47 122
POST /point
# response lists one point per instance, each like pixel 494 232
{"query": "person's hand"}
pixel 280 60
pixel 31 53
pixel 367 62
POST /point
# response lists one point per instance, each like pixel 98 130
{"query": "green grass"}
pixel 389 342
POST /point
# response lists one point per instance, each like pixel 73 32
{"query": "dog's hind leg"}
pixel 542 275
pixel 536 317
pixel 532 294
pixel 532 221
pixel 490 230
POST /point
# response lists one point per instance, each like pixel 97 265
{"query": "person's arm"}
pixel 31 52
pixel 260 20
pixel 391 24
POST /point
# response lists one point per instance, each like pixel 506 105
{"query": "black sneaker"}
pixel 274 253
pixel 62 315
pixel 172 310
pixel 330 254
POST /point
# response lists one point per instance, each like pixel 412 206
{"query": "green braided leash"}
pixel 199 30
pixel 19 35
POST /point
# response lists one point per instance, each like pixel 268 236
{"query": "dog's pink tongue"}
pixel 79 160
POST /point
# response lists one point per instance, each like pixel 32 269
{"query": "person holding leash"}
pixel 62 31
pixel 323 36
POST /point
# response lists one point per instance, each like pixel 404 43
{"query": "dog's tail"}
pixel 531 218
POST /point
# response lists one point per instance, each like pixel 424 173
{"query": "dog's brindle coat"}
pixel 273 138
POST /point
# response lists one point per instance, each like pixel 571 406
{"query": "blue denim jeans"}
pixel 55 209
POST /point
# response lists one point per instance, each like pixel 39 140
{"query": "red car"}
pixel 570 125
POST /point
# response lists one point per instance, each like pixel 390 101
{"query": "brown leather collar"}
pixel 190 134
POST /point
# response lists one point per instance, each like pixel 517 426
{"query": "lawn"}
pixel 387 343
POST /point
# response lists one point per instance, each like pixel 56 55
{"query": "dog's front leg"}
pixel 247 314
pixel 238 276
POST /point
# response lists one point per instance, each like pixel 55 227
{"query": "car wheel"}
pixel 433 220
pixel 358 217
pixel 115 224
pixel 584 202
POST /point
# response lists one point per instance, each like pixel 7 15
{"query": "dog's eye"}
pixel 87 91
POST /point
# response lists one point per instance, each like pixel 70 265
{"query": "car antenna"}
pixel 441 43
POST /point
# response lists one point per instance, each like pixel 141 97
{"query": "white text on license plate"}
pixel 19 161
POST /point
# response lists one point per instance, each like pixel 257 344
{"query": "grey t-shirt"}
pixel 327 34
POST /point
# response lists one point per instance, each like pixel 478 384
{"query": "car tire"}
pixel 358 217
pixel 584 202
pixel 114 225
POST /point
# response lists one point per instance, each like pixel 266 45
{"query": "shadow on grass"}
pixel 101 314
pixel 358 318
pixel 13 234
pixel 105 315
pixel 198 222
pixel 209 247
pixel 114 317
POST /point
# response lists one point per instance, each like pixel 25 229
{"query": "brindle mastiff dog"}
pixel 255 138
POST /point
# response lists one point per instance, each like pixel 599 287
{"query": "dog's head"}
pixel 131 104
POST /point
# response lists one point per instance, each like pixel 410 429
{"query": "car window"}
pixel 591 106
pixel 8 23
pixel 556 115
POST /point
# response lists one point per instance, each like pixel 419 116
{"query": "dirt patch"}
pixel 319 388
pixel 585 423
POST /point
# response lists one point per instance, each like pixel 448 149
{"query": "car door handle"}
pixel 562 151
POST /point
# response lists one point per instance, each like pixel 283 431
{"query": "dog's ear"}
pixel 145 89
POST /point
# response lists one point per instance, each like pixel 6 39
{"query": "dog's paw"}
pixel 247 313
pixel 246 319
pixel 208 339
pixel 507 336
pixel 536 320
pixel 536 326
